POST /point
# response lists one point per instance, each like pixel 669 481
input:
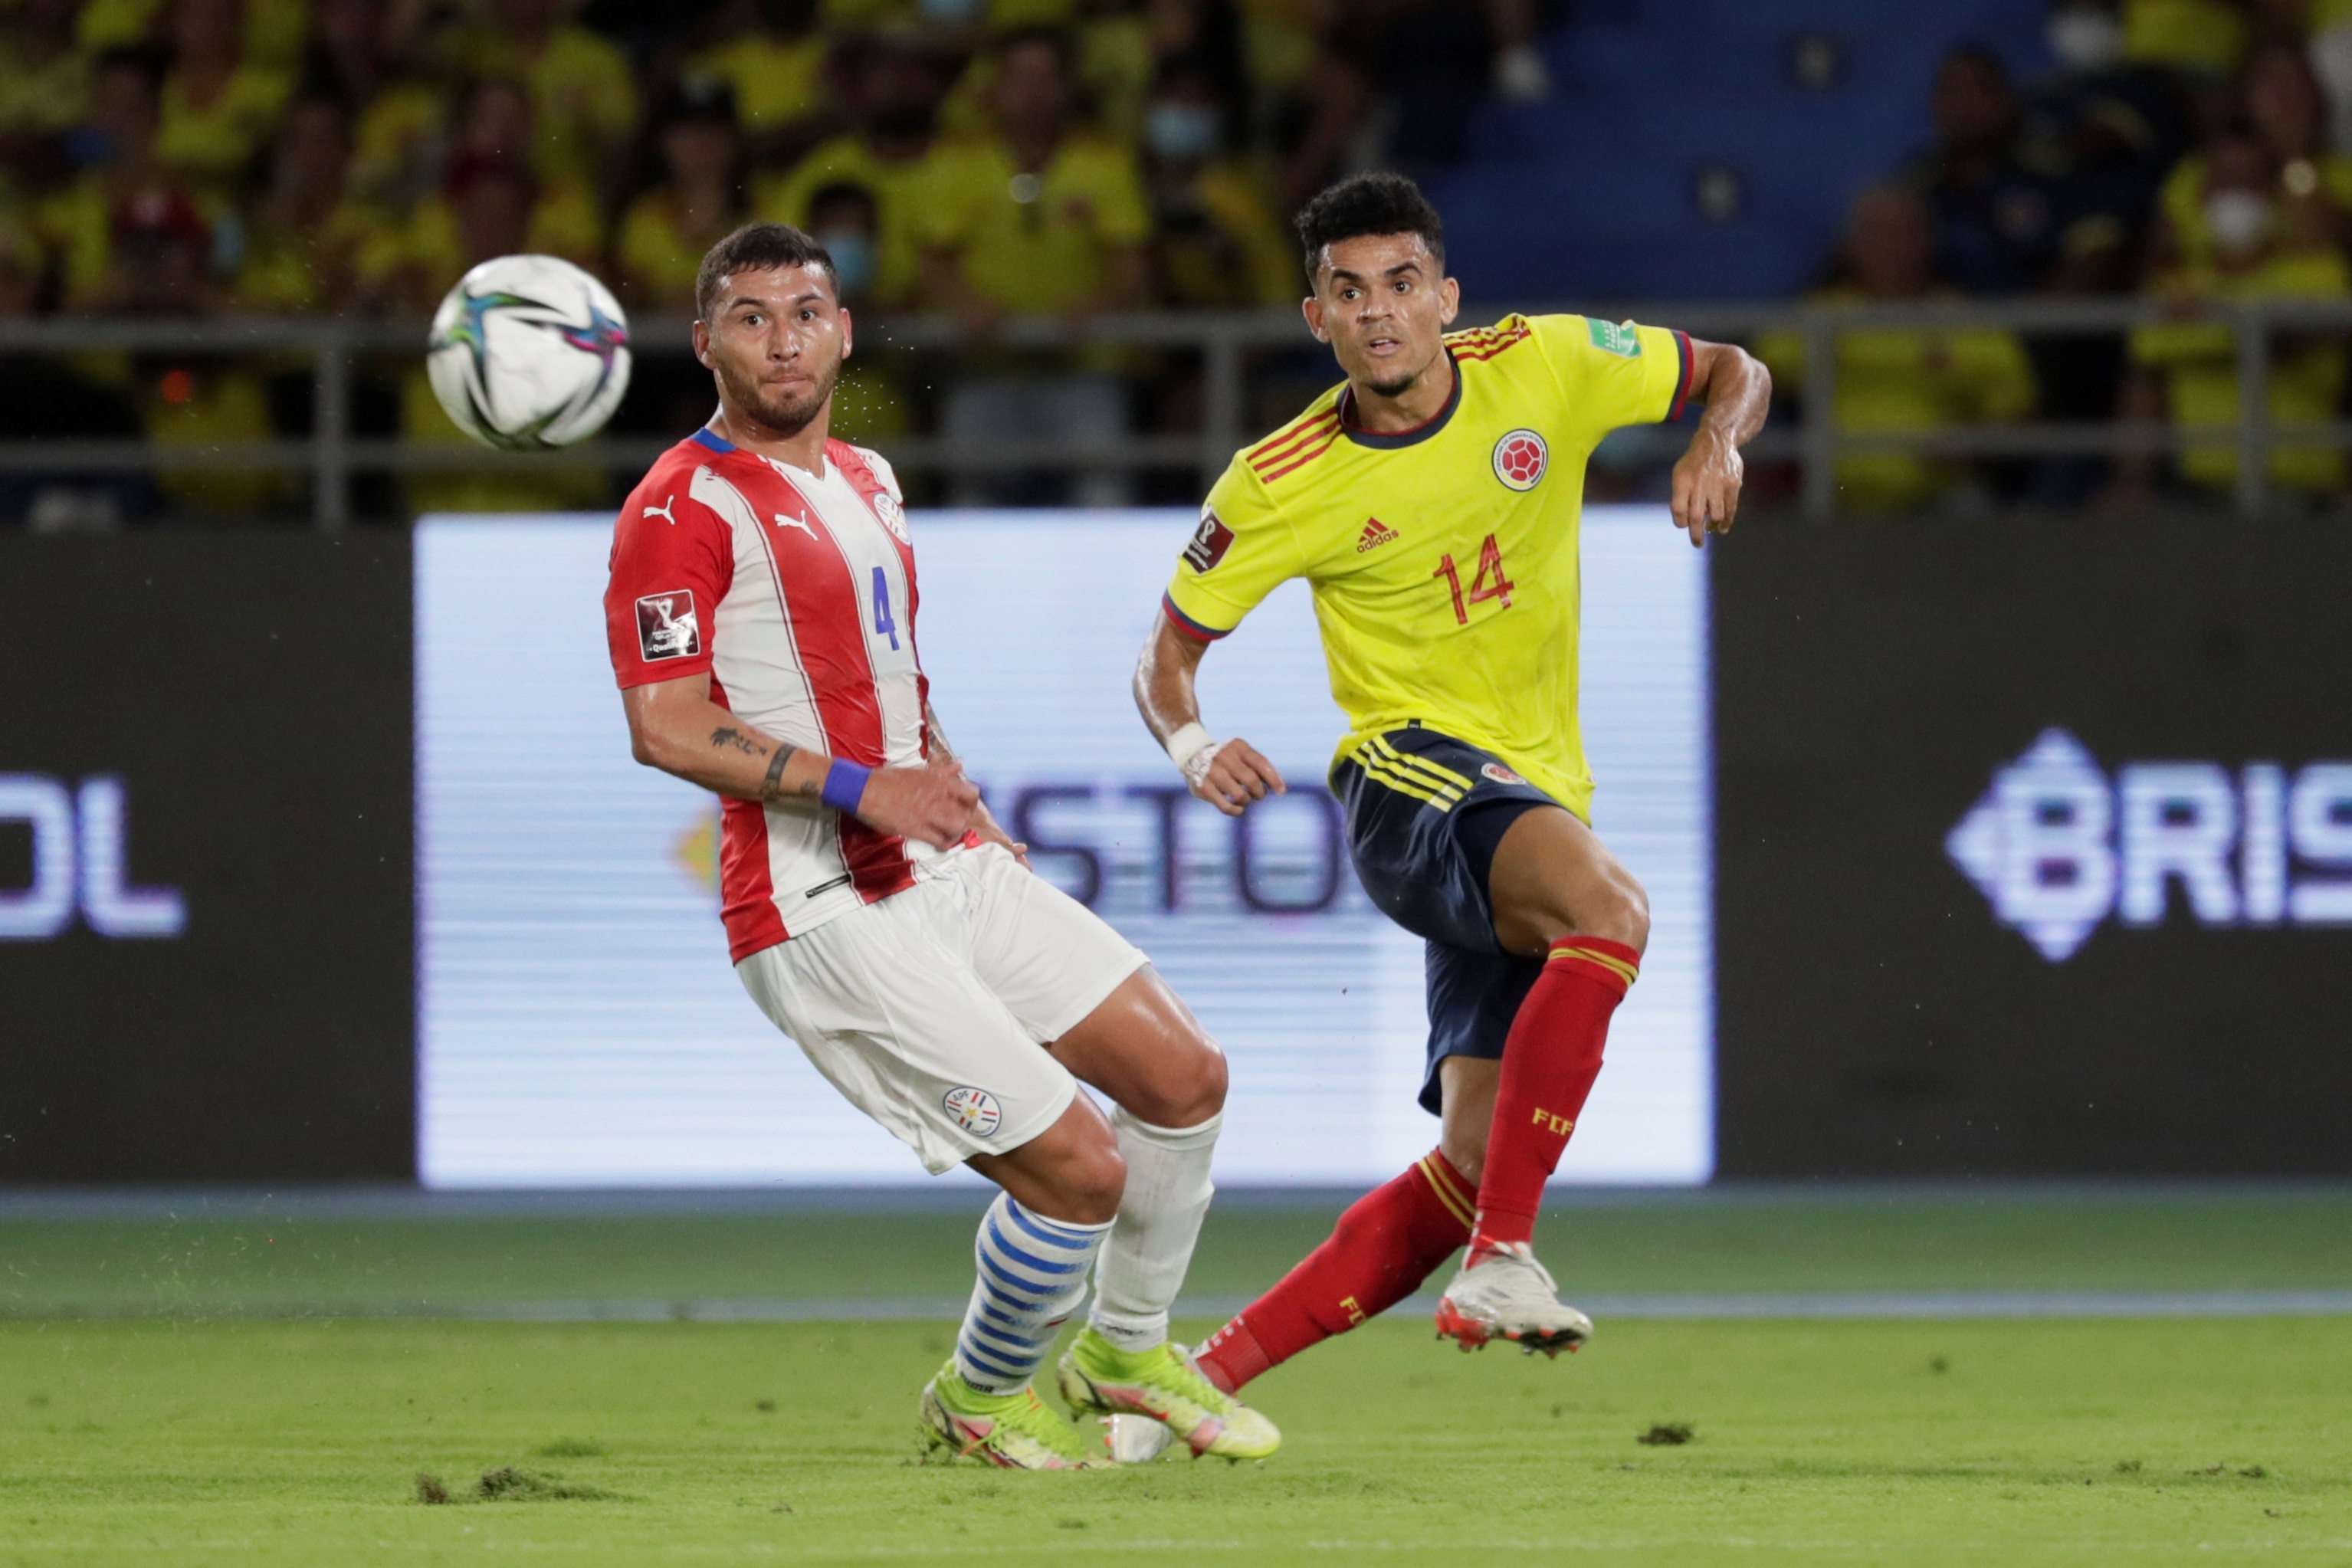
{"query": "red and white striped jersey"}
pixel 795 592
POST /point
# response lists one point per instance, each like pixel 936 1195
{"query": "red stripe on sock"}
pixel 1388 1242
pixel 1549 1060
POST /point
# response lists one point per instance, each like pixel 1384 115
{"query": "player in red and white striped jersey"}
pixel 761 619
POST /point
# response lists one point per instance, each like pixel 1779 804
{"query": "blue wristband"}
pixel 845 785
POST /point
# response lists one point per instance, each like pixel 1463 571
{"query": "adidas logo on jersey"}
pixel 1376 533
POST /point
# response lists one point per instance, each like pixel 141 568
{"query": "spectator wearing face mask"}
pixel 869 405
pixel 666 230
pixel 1902 379
pixel 1215 243
pixel 893 154
pixel 2262 244
pixel 2284 108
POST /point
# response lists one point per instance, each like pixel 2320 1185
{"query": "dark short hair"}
pixel 1368 204
pixel 756 247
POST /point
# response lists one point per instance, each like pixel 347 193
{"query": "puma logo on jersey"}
pixel 662 511
pixel 1376 533
pixel 800 522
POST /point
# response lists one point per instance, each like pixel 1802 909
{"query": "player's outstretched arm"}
pixel 1228 774
pixel 675 726
pixel 1737 392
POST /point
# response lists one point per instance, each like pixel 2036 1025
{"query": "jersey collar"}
pixel 708 438
pixel 1388 440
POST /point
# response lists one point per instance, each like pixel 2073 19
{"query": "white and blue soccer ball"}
pixel 529 353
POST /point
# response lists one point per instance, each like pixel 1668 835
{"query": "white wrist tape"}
pixel 1188 742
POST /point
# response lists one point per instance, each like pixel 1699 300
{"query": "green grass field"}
pixel 190 1435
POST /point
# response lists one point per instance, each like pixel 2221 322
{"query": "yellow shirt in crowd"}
pixel 1908 380
pixel 216 140
pixel 582 92
pixel 775 82
pixel 2206 37
pixel 1037 242
pixel 2199 364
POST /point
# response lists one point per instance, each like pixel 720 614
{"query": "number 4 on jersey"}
pixel 1490 583
pixel 883 625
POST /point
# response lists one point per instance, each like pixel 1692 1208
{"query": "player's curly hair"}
pixel 756 247
pixel 1368 204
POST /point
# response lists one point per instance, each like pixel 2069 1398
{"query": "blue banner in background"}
pixel 578 1021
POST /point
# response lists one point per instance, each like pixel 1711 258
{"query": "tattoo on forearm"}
pixel 725 736
pixel 774 785
pixel 938 737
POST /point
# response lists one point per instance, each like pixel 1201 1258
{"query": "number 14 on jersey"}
pixel 1489 583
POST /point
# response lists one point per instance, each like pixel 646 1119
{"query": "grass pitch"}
pixel 2040 1441
pixel 177 1386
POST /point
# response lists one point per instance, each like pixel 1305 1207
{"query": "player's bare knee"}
pixel 1093 1185
pixel 1623 917
pixel 1186 1088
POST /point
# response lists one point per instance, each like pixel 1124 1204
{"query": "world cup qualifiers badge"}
pixel 974 1110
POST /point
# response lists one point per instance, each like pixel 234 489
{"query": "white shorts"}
pixel 930 1009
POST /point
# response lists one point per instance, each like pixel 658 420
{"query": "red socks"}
pixel 1549 1060
pixel 1387 1243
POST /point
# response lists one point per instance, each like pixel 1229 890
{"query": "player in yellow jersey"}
pixel 1432 501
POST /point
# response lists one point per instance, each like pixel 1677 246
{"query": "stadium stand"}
pixel 236 161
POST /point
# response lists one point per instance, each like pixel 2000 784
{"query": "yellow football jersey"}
pixel 1444 559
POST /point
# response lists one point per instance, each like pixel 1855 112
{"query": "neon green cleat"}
pixel 1163 1382
pixel 1011 1431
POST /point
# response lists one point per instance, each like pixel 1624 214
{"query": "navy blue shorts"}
pixel 1424 815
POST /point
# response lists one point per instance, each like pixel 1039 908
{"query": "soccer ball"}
pixel 529 353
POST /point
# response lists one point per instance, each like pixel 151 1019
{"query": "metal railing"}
pixel 1223 340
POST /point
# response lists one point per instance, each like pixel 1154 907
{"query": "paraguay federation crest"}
pixel 1520 459
pixel 974 1110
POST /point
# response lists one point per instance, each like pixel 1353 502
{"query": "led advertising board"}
pixel 206 965
pixel 579 1022
pixel 2035 846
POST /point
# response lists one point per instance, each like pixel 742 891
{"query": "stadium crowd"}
pixel 2194 151
pixel 974 158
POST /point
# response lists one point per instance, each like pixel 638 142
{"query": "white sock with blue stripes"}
pixel 1033 1272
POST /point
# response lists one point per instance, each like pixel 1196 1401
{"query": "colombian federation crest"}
pixel 1520 459
pixel 974 1110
